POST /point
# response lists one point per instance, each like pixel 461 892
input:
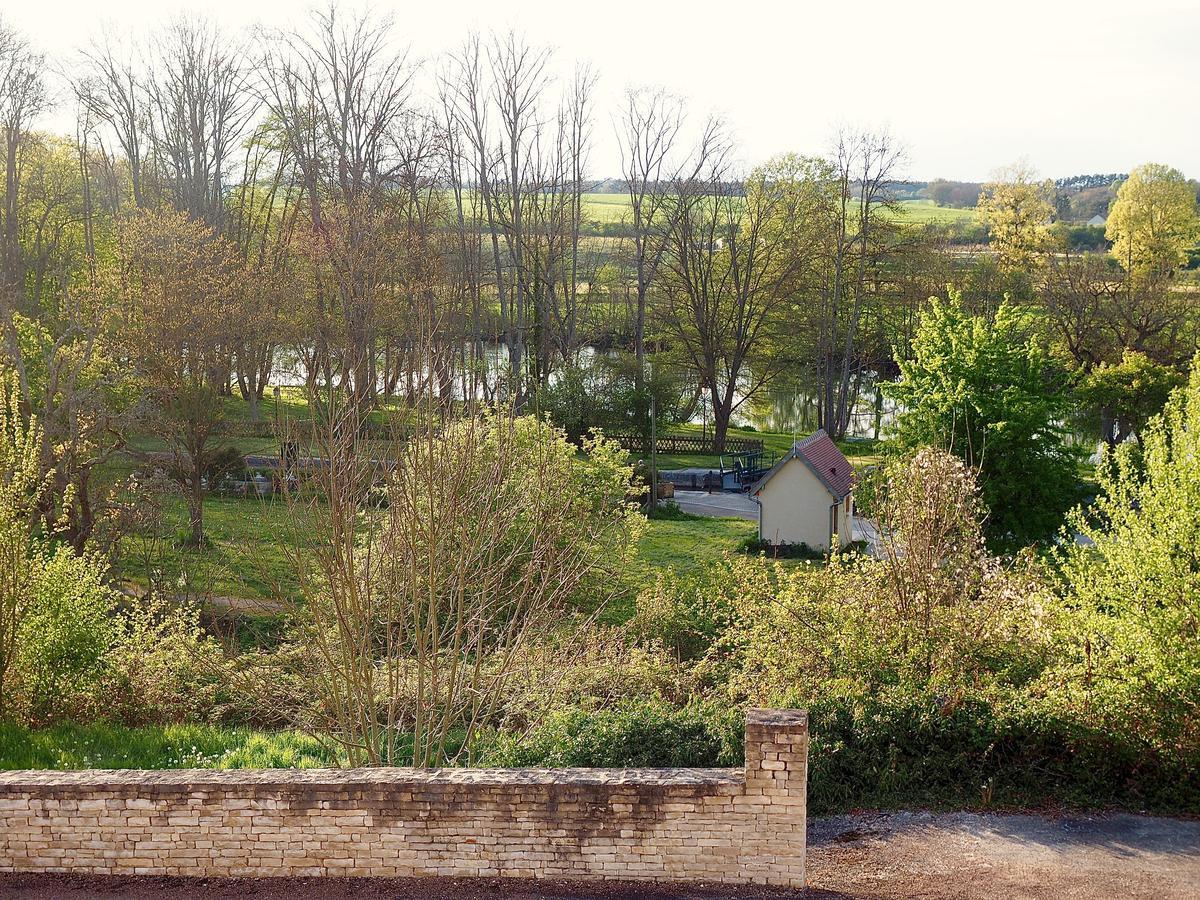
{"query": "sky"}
pixel 1068 86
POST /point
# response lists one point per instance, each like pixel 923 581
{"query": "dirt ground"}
pixel 878 856
pixel 965 855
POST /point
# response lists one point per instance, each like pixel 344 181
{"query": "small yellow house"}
pixel 806 497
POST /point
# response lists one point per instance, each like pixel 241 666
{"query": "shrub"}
pixel 670 511
pixel 64 635
pixel 936 610
pixel 782 550
pixel 682 613
pixel 981 388
pixel 496 532
pixel 162 667
pixel 895 749
pixel 634 733
pixel 1131 657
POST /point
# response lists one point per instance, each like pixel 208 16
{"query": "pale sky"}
pixel 1071 86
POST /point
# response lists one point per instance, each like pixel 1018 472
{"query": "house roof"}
pixel 824 459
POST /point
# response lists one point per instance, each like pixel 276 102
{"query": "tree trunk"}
pixel 195 504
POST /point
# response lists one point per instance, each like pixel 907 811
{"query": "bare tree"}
pixel 200 103
pixel 733 264
pixel 113 91
pixel 23 97
pixel 340 95
pixel 862 169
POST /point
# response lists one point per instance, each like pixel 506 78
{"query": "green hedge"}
pixel 888 753
pixel 642 733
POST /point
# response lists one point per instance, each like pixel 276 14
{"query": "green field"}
pixel 610 209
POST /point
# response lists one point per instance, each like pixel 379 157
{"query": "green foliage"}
pixel 64 636
pixel 670 511
pixel 22 487
pixel 603 394
pixel 104 746
pixel 162 667
pixel 634 733
pixel 897 749
pixel 886 750
pixel 980 388
pixel 1016 208
pixel 782 550
pixel 1129 392
pixel 1153 223
pixel 1136 586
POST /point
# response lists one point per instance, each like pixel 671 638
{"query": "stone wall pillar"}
pixel 777 788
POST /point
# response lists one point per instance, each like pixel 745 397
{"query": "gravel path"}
pixel 956 856
pixel 967 855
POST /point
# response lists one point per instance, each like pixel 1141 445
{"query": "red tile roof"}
pixel 821 455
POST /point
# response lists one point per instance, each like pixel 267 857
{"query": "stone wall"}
pixel 723 825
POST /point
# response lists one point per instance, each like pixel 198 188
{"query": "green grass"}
pixel 608 209
pixel 923 212
pixel 248 541
pixel 689 544
pixel 246 554
pixel 101 746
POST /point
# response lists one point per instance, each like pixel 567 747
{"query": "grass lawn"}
pixel 689 544
pixel 923 212
pixel 159 747
pixel 246 553
pixel 248 539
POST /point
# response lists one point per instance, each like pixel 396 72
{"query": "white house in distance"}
pixel 806 497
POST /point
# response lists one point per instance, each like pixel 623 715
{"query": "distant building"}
pixel 806 498
pixel 1097 220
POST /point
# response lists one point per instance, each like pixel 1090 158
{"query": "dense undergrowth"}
pixel 938 675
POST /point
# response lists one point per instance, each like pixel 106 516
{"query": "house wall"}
pixel 795 509
pixel 720 825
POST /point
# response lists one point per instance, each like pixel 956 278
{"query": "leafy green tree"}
pixel 1136 584
pixel 22 487
pixel 1017 208
pixel 981 389
pixel 1152 223
pixel 1128 393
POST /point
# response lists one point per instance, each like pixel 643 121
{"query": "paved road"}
pixel 971 855
pixel 719 503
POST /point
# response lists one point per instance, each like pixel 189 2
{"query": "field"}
pixel 613 209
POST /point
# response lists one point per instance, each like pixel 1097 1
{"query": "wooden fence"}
pixel 686 443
